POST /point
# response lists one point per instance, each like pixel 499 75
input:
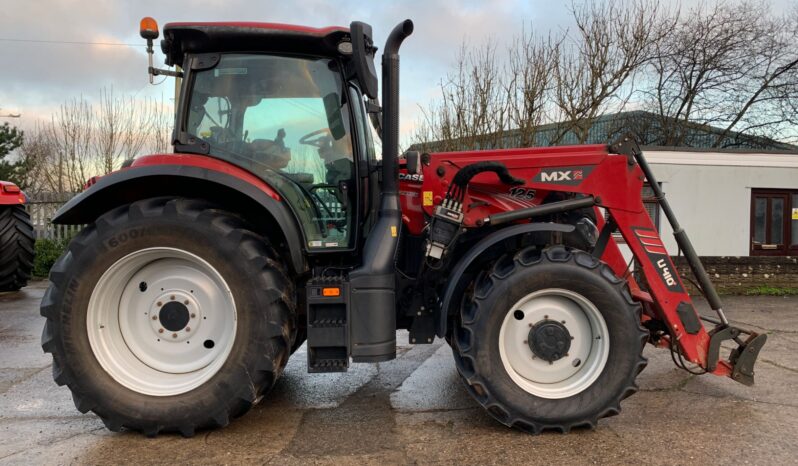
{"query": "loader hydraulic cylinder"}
pixel 681 238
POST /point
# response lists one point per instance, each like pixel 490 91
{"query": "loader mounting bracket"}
pixel 742 358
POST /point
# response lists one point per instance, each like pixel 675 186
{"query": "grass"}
pixel 765 290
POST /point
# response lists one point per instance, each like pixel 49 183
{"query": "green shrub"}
pixel 47 252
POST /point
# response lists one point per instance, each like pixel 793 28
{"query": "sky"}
pixel 37 77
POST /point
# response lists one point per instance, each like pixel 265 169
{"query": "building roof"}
pixel 721 157
pixel 649 128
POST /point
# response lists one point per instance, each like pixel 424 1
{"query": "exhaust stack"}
pixel 372 285
pixel 390 99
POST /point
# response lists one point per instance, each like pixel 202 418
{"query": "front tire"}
pixel 16 247
pixel 549 340
pixel 168 315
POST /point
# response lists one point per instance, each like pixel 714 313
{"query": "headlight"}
pixel 588 230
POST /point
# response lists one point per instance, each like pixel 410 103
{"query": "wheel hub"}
pixel 161 321
pixel 174 316
pixel 549 340
pixel 553 343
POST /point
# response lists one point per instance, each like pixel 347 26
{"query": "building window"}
pixel 774 222
pixel 651 205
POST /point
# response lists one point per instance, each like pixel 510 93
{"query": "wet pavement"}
pixel 415 410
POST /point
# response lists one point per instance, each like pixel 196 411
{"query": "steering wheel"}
pixel 316 139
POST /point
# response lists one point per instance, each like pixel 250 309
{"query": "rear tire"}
pixel 537 383
pixel 141 256
pixel 16 247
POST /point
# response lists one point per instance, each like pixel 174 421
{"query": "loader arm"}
pixel 613 181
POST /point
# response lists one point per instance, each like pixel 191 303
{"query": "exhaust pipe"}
pixel 373 284
pixel 390 99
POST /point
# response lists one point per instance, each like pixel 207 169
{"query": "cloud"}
pixel 36 78
pixel 38 74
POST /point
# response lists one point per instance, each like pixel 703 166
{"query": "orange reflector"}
pixel 331 292
pixel 148 28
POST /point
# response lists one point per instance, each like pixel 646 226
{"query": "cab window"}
pixel 286 120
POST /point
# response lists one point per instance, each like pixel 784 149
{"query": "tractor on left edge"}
pixel 16 238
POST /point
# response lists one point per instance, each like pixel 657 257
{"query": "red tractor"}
pixel 16 238
pixel 279 221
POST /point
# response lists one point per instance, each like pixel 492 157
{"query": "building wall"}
pixel 741 275
pixel 710 192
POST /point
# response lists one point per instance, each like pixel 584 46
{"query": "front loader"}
pixel 286 216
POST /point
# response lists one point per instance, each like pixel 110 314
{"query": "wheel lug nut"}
pixel 154 317
pixel 563 322
pixel 160 330
pixel 193 315
pixel 186 302
pixel 174 335
pixel 159 304
pixel 172 297
pixel 526 342
pixel 188 329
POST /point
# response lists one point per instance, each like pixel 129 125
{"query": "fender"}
pixel 456 276
pixel 10 194
pixel 191 176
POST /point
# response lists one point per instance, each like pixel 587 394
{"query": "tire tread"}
pixel 485 282
pixel 277 289
pixel 17 243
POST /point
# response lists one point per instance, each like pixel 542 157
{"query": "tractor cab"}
pixel 286 104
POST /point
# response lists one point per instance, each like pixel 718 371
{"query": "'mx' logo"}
pixel 556 176
pixel 570 177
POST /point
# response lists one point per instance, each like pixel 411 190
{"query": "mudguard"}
pixel 10 194
pixel 455 287
pixel 191 176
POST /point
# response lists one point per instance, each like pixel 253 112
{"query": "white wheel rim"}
pixel 168 337
pixel 573 372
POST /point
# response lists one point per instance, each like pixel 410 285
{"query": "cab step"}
pixel 328 325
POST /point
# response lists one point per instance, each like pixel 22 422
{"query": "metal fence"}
pixel 42 207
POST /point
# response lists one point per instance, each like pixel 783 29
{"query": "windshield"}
pixel 286 120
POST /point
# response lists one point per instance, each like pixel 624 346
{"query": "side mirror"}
pixel 413 159
pixel 363 51
pixel 332 107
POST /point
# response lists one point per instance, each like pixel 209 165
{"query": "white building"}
pixel 730 202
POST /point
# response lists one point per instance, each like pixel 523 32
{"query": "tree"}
pixel 501 100
pixel 83 140
pixel 728 65
pixel 593 73
pixel 11 138
pixel 473 111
